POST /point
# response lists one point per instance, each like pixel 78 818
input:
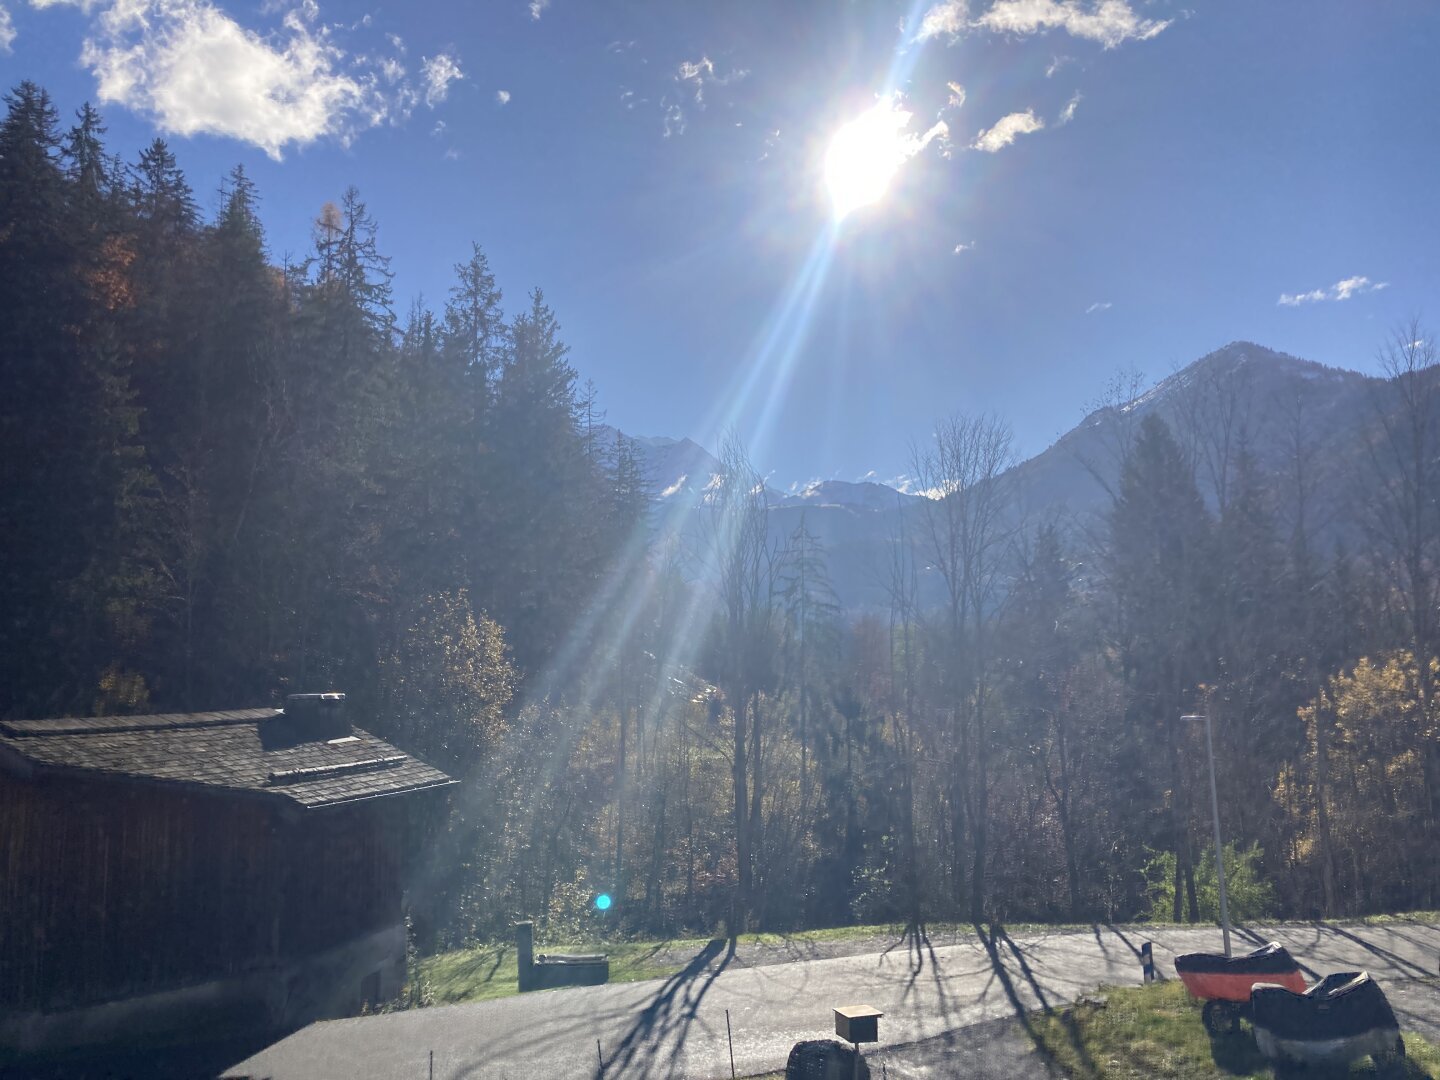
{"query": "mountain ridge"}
pixel 1242 396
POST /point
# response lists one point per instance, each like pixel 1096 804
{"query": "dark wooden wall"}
pixel 109 889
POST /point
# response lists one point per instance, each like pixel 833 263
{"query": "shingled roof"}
pixel 248 750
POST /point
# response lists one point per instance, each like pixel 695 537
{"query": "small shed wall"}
pixel 110 889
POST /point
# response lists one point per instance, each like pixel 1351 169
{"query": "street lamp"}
pixel 1215 809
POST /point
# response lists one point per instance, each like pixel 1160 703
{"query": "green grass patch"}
pixel 1386 920
pixel 490 971
pixel 1155 1033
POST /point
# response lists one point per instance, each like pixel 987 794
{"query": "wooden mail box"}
pixel 858 1023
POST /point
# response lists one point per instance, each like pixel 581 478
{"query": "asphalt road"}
pixel 677 1027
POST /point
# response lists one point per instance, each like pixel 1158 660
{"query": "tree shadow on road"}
pixel 1409 967
pixel 917 944
pixel 998 944
pixel 654 1042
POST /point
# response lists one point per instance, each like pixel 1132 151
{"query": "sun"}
pixel 865 155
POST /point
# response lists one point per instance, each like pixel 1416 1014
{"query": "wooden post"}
pixel 1147 963
pixel 525 954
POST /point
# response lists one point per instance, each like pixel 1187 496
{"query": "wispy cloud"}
pixel 1341 290
pixel 957 95
pixel 537 8
pixel 1109 22
pixel 7 30
pixel 392 70
pixel 949 18
pixel 1056 63
pixel 772 140
pixel 1007 130
pixel 964 246
pixel 693 77
pixel 674 123
pixel 1099 305
pixel 698 74
pixel 194 70
pixel 1068 113
pixel 440 71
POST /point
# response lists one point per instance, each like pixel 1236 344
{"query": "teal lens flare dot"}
pixel 602 902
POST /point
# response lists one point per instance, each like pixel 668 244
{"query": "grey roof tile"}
pixel 230 750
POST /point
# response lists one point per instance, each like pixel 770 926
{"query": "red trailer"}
pixel 1224 982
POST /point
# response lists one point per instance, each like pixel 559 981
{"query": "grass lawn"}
pixel 1155 1032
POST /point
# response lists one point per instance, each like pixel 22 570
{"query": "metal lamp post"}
pixel 1215 809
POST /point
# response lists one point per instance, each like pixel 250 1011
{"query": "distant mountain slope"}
pixel 1275 406
pixel 1263 396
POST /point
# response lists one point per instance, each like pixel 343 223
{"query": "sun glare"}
pixel 865 155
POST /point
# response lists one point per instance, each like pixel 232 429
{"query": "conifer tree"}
pixel 1159 565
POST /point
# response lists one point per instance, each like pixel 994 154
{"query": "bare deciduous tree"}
pixel 965 534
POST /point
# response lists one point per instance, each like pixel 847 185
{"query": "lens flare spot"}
pixel 603 902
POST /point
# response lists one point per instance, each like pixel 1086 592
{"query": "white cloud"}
pixel 1056 63
pixel 1068 113
pixel 440 71
pixel 701 73
pixel 1109 22
pixel 195 70
pixel 1099 305
pixel 502 97
pixel 537 8
pixel 674 121
pixel 694 69
pixel 948 17
pixel 1353 285
pixel 392 70
pixel 1341 290
pixel 7 30
pixel 963 247
pixel 1007 130
pixel 957 95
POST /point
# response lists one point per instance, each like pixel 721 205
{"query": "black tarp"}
pixel 1341 1006
pixel 1273 959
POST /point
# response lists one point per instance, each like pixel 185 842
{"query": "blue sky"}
pixel 1078 187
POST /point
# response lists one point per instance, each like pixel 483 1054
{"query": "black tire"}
pixel 1221 1018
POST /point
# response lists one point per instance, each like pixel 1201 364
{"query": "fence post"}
pixel 1147 963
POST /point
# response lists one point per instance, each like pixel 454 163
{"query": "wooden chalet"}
pixel 215 872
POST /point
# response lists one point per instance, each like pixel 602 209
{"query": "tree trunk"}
pixel 741 907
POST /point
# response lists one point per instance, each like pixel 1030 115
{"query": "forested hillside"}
pixel 223 479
